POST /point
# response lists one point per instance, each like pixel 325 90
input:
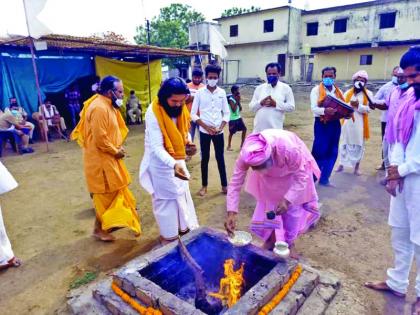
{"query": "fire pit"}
pixel 164 279
pixel 196 278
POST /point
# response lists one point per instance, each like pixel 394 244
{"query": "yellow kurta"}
pixel 107 178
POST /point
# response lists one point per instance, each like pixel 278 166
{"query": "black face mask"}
pixel 171 111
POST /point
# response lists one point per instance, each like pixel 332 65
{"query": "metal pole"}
pixel 38 88
pixel 148 58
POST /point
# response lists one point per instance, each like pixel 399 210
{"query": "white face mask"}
pixel 212 82
pixel 119 102
pixel 359 84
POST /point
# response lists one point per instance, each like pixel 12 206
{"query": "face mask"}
pixel 212 82
pixel 404 86
pixel 394 80
pixel 14 112
pixel 272 79
pixel 359 84
pixel 328 81
pixel 117 102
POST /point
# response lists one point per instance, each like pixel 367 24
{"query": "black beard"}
pixel 172 112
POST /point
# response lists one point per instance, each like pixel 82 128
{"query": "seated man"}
pixel 21 115
pixel 54 120
pixel 281 181
pixel 134 109
pixel 8 122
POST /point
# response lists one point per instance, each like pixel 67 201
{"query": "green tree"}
pixel 170 28
pixel 236 11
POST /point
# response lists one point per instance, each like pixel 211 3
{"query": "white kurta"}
pixel 271 117
pixel 172 203
pixel 7 183
pixel 352 143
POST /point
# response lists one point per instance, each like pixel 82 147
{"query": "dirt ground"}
pixel 49 220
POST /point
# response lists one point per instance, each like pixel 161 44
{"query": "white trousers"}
pixel 6 252
pixel 404 252
pixel 134 114
pixel 175 215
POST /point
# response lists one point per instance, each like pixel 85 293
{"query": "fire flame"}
pixel 231 284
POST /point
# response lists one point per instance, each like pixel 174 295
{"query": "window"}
pixel 281 59
pixel 365 60
pixel 387 20
pixel 312 29
pixel 340 26
pixel 268 26
pixel 234 30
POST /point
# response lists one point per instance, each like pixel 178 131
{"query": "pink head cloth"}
pixel 256 150
pixel 360 73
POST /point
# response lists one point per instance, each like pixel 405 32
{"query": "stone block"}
pixel 329 279
pixel 289 305
pixel 314 305
pixel 327 293
pixel 306 283
pixel 169 304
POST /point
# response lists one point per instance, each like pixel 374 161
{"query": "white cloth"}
pixel 6 252
pixel 404 252
pixel 158 178
pixel 404 210
pixel 316 110
pixel 271 117
pixel 352 143
pixel 7 183
pixel 213 107
pixel 382 95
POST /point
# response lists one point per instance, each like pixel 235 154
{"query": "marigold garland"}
pixel 282 293
pixel 136 306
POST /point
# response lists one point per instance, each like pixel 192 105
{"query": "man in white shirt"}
pixel 403 183
pixel 271 100
pixel 326 134
pixel 211 103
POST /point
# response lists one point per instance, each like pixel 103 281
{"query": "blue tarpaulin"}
pixel 56 72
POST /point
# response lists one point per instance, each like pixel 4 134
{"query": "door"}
pixel 281 59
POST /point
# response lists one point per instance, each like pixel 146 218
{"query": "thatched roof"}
pixel 99 46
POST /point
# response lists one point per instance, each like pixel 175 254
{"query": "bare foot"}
pixel 416 307
pixel 340 169
pixel 202 192
pixel 14 262
pixel 224 190
pixel 229 149
pixel 382 286
pixel 103 236
pixel 357 173
pixel 293 252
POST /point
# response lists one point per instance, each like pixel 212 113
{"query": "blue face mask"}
pixel 394 80
pixel 14 112
pixel 328 81
pixel 272 79
pixel 404 86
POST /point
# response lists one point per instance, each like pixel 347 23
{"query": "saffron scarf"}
pixel 78 132
pixel 323 93
pixel 366 131
pixel 175 137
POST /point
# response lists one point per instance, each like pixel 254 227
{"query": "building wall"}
pixel 363 24
pixel 252 59
pixel 251 27
pixel 347 62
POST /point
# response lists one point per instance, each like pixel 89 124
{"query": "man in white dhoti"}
pixel 163 172
pixel 355 131
pixel 403 183
pixel 7 258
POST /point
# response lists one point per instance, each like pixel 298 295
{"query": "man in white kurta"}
pixel 353 131
pixel 7 258
pixel 271 100
pixel 403 183
pixel 173 206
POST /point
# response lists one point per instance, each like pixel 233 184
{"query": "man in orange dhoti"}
pixel 101 133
